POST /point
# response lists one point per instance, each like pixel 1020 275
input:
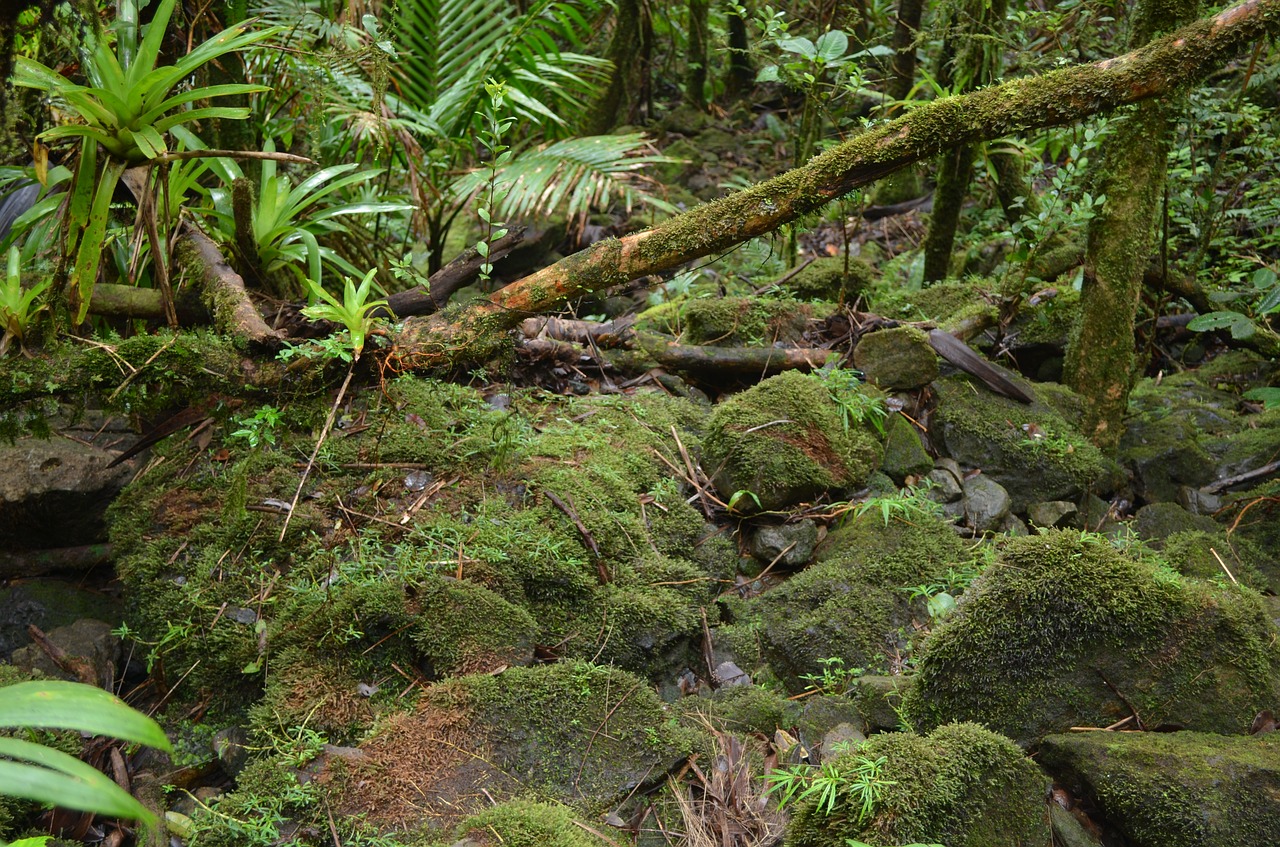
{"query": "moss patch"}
pixel 1066 630
pixel 784 441
pixel 1184 789
pixel 961 785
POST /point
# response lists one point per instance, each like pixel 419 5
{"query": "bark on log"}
pixel 224 292
pixel 1059 97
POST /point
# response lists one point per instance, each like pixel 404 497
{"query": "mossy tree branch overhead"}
pixel 1057 98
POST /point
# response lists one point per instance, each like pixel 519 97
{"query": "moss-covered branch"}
pixel 1060 97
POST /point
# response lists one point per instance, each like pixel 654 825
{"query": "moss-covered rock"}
pixel 1032 451
pixel 784 441
pixel 1196 553
pixel 854 604
pixel 580 733
pixel 898 359
pixel 1066 630
pixel 744 709
pixel 527 823
pixel 829 279
pixel 961 785
pixel 1183 789
pixel 733 321
pixel 1187 430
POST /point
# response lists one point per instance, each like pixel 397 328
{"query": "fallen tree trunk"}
pixel 1060 97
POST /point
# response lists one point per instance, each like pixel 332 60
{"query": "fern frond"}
pixel 573 176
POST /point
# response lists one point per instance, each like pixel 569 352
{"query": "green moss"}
pixel 826 279
pixel 742 709
pixel 1032 451
pixel 853 604
pixel 1062 622
pixel 784 441
pixel 733 321
pixel 527 823
pixel 1183 789
pixel 939 302
pixel 1191 553
pixel 961 785
pixel 574 730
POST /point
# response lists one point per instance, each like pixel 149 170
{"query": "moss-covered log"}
pixel 1100 358
pixel 1060 97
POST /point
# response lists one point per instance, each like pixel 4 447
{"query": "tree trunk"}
pixel 904 56
pixel 629 52
pixel 1060 97
pixel 975 64
pixel 741 74
pixel 695 81
pixel 1100 360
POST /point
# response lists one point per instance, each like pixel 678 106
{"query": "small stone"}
pixel 843 735
pixel 230 745
pixel 898 359
pixel 728 675
pixel 986 503
pixel 770 542
pixel 89 641
pixel 946 478
pixel 904 454
pixel 1053 513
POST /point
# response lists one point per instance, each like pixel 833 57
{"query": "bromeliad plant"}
pixel 286 219
pixel 18 307
pixel 124 114
pixel 354 311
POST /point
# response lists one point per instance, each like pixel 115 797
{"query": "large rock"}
pixel 1182 789
pixel 586 734
pixel 852 605
pixel 54 493
pixel 898 359
pixel 1033 451
pixel 961 785
pixel 784 441
pixel 1185 432
pixel 1066 630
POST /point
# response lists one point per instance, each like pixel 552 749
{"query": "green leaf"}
pixel 54 704
pixel 799 45
pixel 1239 325
pixel 39 773
pixel 831 46
pixel 90 250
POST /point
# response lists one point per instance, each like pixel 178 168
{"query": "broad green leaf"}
pixel 90 251
pixel 35 772
pixel 831 45
pixel 54 704
pixel 1239 325
pixel 799 45
pixel 149 50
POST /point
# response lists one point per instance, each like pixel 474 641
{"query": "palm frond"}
pixel 453 46
pixel 573 176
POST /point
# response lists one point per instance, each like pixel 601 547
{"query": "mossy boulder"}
pixel 784 441
pixel 829 279
pixel 1196 553
pixel 733 321
pixel 853 604
pixel 1032 451
pixel 904 452
pixel 1187 430
pixel 584 734
pixel 526 823
pixel 898 359
pixel 1066 630
pixel 1182 789
pixel 962 785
